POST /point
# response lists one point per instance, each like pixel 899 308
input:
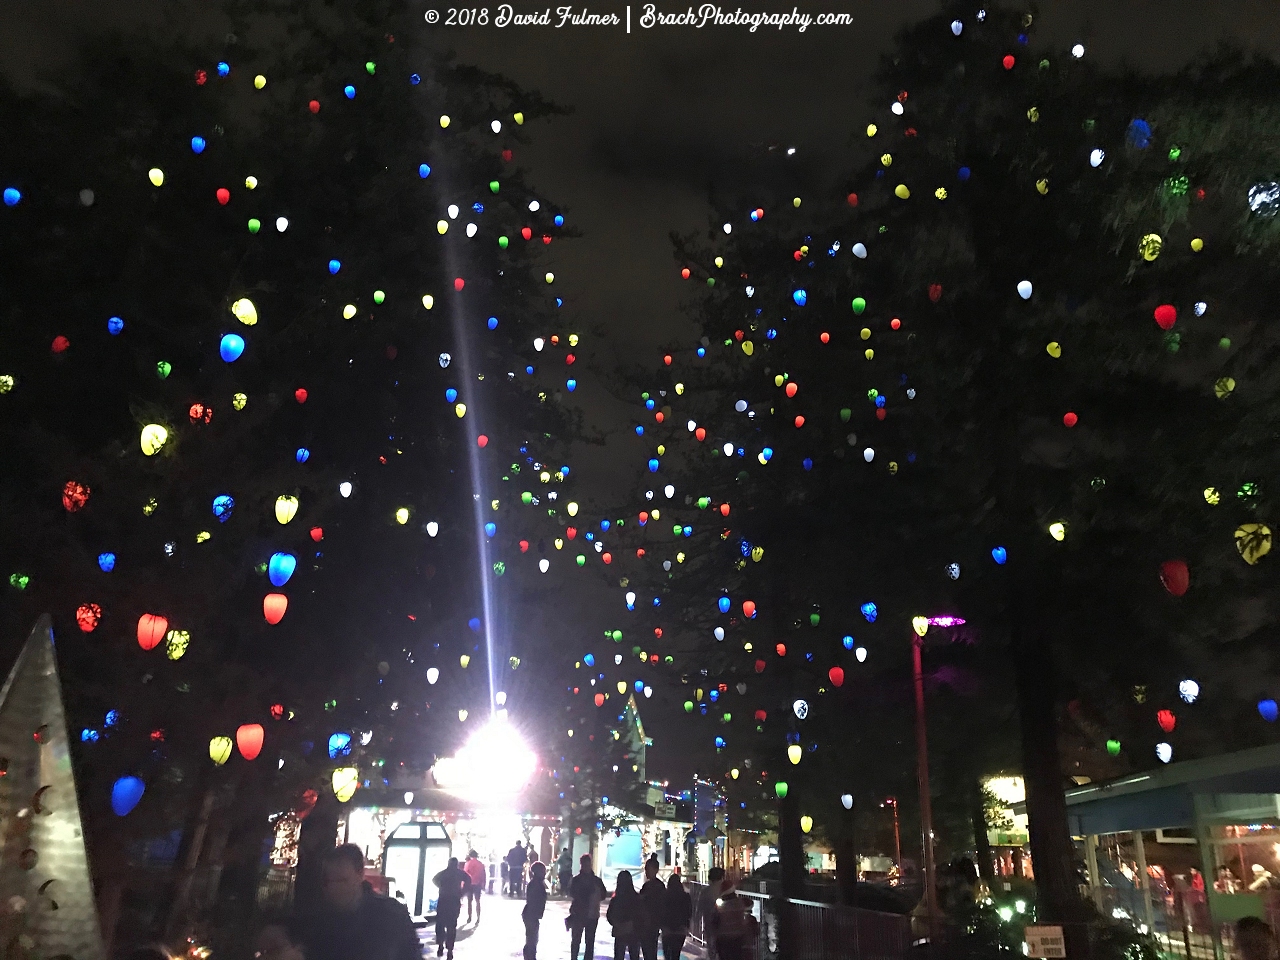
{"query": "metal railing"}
pixel 820 931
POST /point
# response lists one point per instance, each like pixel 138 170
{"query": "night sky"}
pixel 660 118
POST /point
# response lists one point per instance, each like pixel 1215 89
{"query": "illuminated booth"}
pixel 480 799
pixel 414 853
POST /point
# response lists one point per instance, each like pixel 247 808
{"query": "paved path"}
pixel 500 935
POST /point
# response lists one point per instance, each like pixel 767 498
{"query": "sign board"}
pixel 664 811
pixel 1045 942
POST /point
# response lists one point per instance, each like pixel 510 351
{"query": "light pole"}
pixel 921 626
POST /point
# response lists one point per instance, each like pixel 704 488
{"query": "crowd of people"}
pixel 354 923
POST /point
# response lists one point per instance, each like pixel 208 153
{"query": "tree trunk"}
pixel 318 835
pixel 982 843
pixel 792 863
pixel 110 897
pixel 182 895
pixel 215 857
pixel 847 868
pixel 1052 853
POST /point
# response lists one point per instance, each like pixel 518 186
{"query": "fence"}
pixel 275 890
pixel 820 931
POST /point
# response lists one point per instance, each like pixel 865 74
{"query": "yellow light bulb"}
pixel 154 437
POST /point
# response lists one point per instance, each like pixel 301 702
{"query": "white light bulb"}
pixel 534 206
pixel 861 654
pixel 496 126
pixel 719 632
pixel 344 488
pixel 669 490
pixel 432 528
pixel 453 211
pixel 471 229
pixel 728 228
pixel 1078 51
pixel 896 109
pixel 728 449
pixel 544 565
pixel 282 224
pixel 433 674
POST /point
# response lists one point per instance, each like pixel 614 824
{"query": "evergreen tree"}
pixel 962 390
pixel 309 245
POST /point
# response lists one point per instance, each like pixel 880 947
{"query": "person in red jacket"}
pixel 475 871
pixel 733 926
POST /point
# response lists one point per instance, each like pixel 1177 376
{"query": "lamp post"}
pixel 851 839
pixel 920 626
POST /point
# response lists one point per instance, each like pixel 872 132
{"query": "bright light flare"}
pixel 494 763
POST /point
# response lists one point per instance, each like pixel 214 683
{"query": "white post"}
pixel 1144 880
pixel 1091 859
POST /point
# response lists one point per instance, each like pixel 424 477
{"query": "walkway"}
pixel 500 935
